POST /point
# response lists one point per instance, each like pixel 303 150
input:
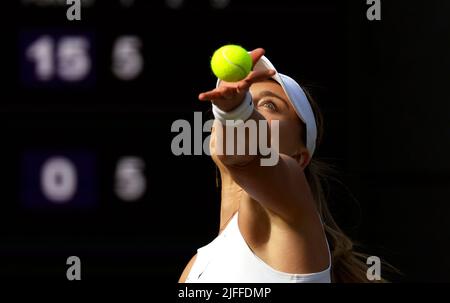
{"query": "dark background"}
pixel 382 86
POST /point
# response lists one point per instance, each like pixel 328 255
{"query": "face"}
pixel 272 103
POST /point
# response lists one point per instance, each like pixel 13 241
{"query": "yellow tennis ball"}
pixel 231 63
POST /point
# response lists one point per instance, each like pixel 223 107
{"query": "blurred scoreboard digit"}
pixel 53 179
pixel 68 179
pixel 127 58
pixel 55 58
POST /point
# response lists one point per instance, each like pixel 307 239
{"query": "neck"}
pixel 230 198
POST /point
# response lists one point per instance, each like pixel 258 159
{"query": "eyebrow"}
pixel 268 93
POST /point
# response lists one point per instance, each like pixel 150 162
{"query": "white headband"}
pixel 298 99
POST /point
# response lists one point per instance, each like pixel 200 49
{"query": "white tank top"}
pixel 229 259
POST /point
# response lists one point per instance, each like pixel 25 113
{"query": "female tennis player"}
pixel 275 225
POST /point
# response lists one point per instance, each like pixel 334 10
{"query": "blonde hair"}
pixel 348 265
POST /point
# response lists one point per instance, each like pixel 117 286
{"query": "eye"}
pixel 268 104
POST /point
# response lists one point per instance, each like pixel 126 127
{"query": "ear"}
pixel 302 157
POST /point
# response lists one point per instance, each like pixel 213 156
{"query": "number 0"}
pixel 58 179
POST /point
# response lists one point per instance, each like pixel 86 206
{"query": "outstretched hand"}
pixel 229 95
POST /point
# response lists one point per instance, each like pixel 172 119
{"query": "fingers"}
pixel 256 54
pixel 222 92
pixel 255 76
pixel 229 90
pixel 210 95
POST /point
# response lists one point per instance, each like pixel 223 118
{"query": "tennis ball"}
pixel 231 63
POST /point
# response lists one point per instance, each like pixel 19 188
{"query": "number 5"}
pixel 131 183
